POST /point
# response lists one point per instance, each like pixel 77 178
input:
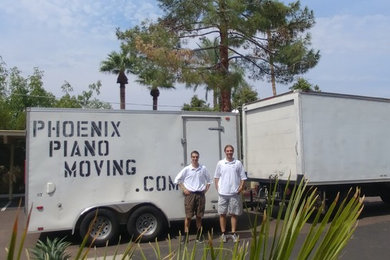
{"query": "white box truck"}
pixel 118 165
pixel 334 141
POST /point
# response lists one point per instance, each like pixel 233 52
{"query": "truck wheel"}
pixel 104 228
pixel 146 221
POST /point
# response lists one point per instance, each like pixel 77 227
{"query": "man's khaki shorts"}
pixel 194 204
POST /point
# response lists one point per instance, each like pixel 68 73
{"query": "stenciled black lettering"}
pixel 160 183
pixel 68 128
pixel 115 128
pixel 75 150
pixel 49 129
pixel 65 148
pixel 98 166
pixel 96 128
pixel 54 146
pixel 53 127
pixel 88 168
pixel 82 128
pixel 146 186
pixel 103 147
pixel 37 125
pixel 70 171
pixel 130 170
pixel 171 184
pixel 89 148
pixel 85 148
pixel 108 168
pixel 85 168
pixel 117 166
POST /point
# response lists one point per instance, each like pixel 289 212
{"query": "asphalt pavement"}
pixel 9 212
pixel 369 241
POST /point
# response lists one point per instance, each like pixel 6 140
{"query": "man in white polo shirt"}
pixel 195 181
pixel 229 181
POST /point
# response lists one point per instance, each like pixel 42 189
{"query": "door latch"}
pixel 222 129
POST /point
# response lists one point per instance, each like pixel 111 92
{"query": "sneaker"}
pixel 199 239
pixel 235 237
pixel 223 238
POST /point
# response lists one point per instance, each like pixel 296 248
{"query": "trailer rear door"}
pixel 203 134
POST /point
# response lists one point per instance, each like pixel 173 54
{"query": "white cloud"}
pixel 346 34
pixel 355 52
pixel 68 39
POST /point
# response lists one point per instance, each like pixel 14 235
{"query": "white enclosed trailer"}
pixel 334 141
pixel 118 164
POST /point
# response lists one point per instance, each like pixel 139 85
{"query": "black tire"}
pixel 385 192
pixel 105 228
pixel 148 221
pixel 385 196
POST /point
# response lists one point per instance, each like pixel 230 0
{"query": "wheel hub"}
pixel 101 228
pixel 146 224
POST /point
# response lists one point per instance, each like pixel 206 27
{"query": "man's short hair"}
pixel 195 152
pixel 228 145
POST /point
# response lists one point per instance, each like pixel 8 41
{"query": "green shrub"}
pixel 51 250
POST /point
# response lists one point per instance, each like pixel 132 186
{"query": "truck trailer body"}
pixel 334 141
pixel 117 165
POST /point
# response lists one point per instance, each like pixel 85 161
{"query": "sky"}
pixel 68 39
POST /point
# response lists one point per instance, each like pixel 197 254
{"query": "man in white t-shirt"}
pixel 195 181
pixel 229 181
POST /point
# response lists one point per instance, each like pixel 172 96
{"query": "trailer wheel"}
pixel 385 192
pixel 147 221
pixel 385 196
pixel 104 228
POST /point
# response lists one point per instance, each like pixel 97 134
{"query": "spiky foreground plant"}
pixel 51 249
pixel 324 241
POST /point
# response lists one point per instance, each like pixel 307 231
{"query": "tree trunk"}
pixel 225 88
pixel 122 96
pixel 155 99
pixel 273 79
pixel 155 93
pixel 271 62
pixel 226 105
pixel 122 80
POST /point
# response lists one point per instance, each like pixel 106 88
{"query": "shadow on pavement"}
pixel 210 225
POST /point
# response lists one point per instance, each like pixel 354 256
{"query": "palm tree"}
pixel 154 92
pixel 155 77
pixel 118 63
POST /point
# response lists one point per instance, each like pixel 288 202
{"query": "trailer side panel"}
pixel 345 139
